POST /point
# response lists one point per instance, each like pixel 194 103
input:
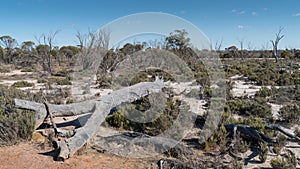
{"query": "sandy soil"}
pixel 30 155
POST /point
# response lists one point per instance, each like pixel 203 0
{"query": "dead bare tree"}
pixel 45 48
pixel 81 39
pixel 91 44
pixel 241 42
pixel 275 44
pixel 103 38
pixel 218 45
pixel 242 52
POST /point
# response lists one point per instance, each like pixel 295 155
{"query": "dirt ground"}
pixel 31 155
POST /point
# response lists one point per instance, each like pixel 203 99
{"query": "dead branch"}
pixel 284 131
pixel 248 131
pixel 57 110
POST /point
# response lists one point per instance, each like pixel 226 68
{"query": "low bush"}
pixel 22 84
pixel 4 70
pixel 165 119
pixel 258 108
pixel 28 69
pixel 264 73
pixel 61 81
pixel 288 162
pixel 15 124
pixel 41 81
pixel 290 113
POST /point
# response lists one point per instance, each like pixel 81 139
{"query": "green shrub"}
pixel 280 143
pixel 4 70
pixel 28 69
pixel 23 84
pixel 237 164
pixel 285 95
pixel 263 154
pixel 41 81
pixel 158 125
pixel 258 123
pixel 258 108
pixel 61 81
pixel 63 72
pixel 279 163
pixel 290 113
pixel 217 139
pixel 15 124
pixel 264 73
pixel 288 162
pixel 263 92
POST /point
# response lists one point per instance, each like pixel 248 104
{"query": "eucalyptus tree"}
pixel 8 43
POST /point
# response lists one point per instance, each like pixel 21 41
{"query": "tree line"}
pixel 45 52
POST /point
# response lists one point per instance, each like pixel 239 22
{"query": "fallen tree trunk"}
pixel 249 131
pixel 56 110
pixel 256 135
pixel 284 131
pixel 99 108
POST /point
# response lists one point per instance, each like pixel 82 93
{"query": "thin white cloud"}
pixel 297 14
pixel 242 12
pixel 242 26
pixel 253 13
pixel 266 9
pixel 233 11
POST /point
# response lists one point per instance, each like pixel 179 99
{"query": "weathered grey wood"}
pixel 103 106
pixel 56 110
pixel 283 130
pixel 39 108
pixel 64 133
pixel 51 117
pixel 249 131
pixel 78 122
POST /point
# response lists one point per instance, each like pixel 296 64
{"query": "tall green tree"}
pixel 178 39
pixel 69 52
pixel 27 46
pixel 2 54
pixel 8 43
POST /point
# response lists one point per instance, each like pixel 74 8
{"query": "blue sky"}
pixel 253 21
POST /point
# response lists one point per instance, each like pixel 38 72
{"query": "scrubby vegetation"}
pixel 163 121
pixel 23 84
pixel 15 125
pixel 4 70
pixel 28 69
pixel 61 81
pixel 258 108
pixel 265 72
pixel 288 162
pixel 279 80
pixel 290 113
